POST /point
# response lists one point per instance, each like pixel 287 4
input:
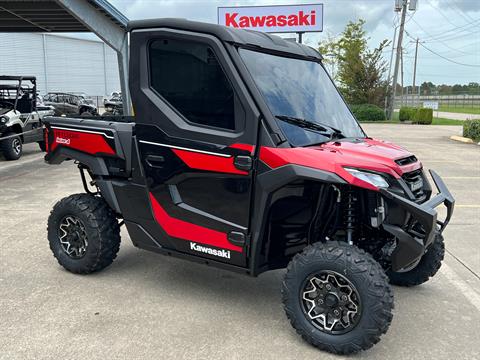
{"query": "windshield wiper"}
pixel 310 125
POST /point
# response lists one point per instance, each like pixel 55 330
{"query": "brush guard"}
pixel 412 245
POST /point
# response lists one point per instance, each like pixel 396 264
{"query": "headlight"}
pixel 3 119
pixel 371 178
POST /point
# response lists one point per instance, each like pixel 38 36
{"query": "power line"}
pixel 439 55
pixel 454 31
pixel 441 41
pixel 439 10
pixel 445 58
pixel 460 11
pixel 460 35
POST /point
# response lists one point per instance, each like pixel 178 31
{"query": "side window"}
pixel 189 76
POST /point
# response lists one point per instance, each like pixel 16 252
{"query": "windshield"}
pixel 300 89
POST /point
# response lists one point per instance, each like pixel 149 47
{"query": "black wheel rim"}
pixel 331 302
pixel 16 146
pixel 73 237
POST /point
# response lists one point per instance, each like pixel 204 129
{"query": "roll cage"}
pixel 20 91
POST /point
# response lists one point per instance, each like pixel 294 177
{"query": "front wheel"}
pixel 12 147
pixel 83 233
pixel 337 297
pixel 86 113
pixel 427 267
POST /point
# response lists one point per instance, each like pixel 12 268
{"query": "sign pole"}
pixel 300 37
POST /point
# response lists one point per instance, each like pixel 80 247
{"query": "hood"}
pixel 373 152
pixel 367 154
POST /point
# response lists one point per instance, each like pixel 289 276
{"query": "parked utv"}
pixel 70 104
pixel 113 105
pixel 243 155
pixel 20 118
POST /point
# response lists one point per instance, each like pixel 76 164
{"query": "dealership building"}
pixel 61 63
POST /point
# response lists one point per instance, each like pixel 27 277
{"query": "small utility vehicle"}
pixel 113 105
pixel 70 104
pixel 20 118
pixel 243 155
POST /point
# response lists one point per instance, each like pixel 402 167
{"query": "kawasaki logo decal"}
pixel 60 140
pixel 220 253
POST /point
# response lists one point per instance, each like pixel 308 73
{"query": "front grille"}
pixel 405 161
pixel 414 181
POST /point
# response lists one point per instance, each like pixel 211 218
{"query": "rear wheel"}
pixel 86 113
pixel 337 297
pixel 12 147
pixel 83 233
pixel 428 266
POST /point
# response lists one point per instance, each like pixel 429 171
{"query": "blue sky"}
pixel 450 28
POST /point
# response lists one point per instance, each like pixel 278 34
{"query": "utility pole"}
pixel 401 77
pixel 415 67
pixel 390 69
pixel 397 59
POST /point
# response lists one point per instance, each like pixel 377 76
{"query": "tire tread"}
pixel 426 268
pixel 102 228
pixel 359 262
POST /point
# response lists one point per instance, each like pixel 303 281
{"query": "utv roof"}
pixel 237 36
pixel 15 87
pixel 17 78
pixel 64 93
pixel 8 87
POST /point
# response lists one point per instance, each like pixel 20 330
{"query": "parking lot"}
pixel 150 306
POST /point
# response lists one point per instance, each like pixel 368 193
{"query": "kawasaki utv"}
pixel 243 155
pixel 20 115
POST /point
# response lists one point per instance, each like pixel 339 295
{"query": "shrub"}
pixel 471 129
pixel 407 113
pixel 423 116
pixel 368 112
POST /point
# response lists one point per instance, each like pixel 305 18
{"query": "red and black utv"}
pixel 243 155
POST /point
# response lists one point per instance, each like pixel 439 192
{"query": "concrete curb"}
pixel 463 139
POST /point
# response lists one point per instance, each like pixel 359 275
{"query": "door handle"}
pixel 242 162
pixel 155 161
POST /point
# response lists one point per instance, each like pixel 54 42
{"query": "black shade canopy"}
pixel 50 16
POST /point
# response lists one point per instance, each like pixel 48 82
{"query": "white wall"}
pixel 65 64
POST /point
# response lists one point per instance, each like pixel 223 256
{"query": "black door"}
pixel 196 131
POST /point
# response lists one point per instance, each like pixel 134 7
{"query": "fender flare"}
pixel 97 167
pixel 95 164
pixel 265 185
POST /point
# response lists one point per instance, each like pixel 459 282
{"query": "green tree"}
pixel 427 88
pixel 359 71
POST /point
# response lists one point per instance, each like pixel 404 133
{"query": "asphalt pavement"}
pixel 147 306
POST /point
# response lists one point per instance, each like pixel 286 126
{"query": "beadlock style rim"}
pixel 73 237
pixel 17 146
pixel 331 302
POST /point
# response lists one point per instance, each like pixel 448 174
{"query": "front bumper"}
pixel 412 241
